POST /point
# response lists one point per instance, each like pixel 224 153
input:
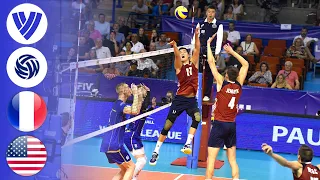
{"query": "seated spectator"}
pixel 237 8
pixel 102 26
pixel 140 7
pixel 264 76
pixel 221 64
pixel 119 36
pixel 185 3
pixel 143 38
pixel 303 35
pixel 280 83
pixel 202 5
pixel 147 65
pixel 76 6
pixel 123 67
pixel 233 35
pixel 71 57
pixel 291 76
pixel 94 34
pixel 128 47
pixel 297 50
pixel 220 8
pixel 84 48
pixel 160 9
pixel 112 44
pixel 133 71
pixel 177 4
pixel 124 29
pixel 249 47
pixel 154 36
pixel 229 15
pixel 136 45
pixel 163 43
pixel 96 69
pixel 89 41
pixel 110 72
pixel 232 61
pixel 101 51
pixel 197 10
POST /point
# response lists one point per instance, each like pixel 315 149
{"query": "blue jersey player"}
pixel 132 137
pixel 112 143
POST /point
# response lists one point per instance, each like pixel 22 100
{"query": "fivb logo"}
pixel 27 23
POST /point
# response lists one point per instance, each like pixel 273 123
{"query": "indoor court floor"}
pixel 84 161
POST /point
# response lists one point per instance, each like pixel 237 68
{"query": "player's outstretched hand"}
pixel 154 102
pixel 266 148
pixel 211 38
pixel 146 87
pixel 228 48
pixel 173 43
pixel 197 32
pixel 134 88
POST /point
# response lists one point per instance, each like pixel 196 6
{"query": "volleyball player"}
pixel 223 131
pixel 302 169
pixel 112 143
pixel 185 99
pixel 132 138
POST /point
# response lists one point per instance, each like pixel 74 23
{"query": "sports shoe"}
pixel 206 98
pixel 187 149
pixel 154 158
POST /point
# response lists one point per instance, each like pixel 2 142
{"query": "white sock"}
pixel 139 166
pixel 157 148
pixel 190 138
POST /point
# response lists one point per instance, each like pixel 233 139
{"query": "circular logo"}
pixel 27 111
pixel 26 155
pixel 27 67
pixel 27 23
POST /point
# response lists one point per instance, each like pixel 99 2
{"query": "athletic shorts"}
pixel 120 156
pixel 180 104
pixel 222 133
pixel 132 141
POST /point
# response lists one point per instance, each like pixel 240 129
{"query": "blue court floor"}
pixel 313 85
pixel 254 165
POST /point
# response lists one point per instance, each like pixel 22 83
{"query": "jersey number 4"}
pixel 231 103
pixel 189 71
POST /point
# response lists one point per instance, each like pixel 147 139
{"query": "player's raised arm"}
pixel 196 51
pixel 245 65
pixel 211 61
pixel 294 165
pixel 177 58
pixel 134 109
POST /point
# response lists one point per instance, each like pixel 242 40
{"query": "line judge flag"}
pixel 26 155
pixel 27 111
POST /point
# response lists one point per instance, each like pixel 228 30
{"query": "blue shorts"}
pixel 120 156
pixel 222 133
pixel 180 104
pixel 132 141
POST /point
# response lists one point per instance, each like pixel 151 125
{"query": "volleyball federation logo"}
pixel 27 67
pixel 27 23
pixel 26 155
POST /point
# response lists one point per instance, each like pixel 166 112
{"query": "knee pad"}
pixel 164 132
pixel 141 161
pixel 195 120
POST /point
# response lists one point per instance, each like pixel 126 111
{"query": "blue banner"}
pixel 284 134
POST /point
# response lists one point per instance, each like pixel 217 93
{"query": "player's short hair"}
pixel 119 86
pixel 212 7
pixel 306 153
pixel 101 14
pixel 184 48
pixel 233 73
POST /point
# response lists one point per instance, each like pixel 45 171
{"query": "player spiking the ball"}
pixel 186 68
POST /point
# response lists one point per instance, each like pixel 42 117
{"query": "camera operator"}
pixel 168 99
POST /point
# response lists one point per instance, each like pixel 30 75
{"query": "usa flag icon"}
pixel 26 155
pixel 27 111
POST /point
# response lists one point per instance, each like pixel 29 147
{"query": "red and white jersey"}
pixel 187 80
pixel 226 104
pixel 309 172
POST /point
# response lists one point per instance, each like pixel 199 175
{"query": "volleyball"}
pixel 181 12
